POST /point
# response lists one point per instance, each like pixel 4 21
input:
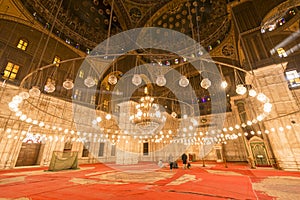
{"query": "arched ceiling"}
pixel 89 22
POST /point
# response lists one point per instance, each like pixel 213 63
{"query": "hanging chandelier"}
pixel 147 117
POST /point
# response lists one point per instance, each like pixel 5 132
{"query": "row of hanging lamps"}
pixel 35 90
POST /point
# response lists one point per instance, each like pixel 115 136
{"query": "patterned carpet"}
pixel 147 181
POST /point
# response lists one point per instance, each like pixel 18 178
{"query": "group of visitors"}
pixel 173 163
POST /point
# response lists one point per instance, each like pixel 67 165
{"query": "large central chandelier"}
pixel 148 117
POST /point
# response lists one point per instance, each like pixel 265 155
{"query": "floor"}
pixel 147 181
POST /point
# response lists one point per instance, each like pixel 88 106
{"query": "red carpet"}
pixel 99 181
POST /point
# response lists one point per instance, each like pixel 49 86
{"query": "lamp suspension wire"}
pixel 49 33
pixel 109 26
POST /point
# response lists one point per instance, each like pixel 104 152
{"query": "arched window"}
pixel 23 43
pixel 10 71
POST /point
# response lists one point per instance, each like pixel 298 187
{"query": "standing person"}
pixel 171 161
pixel 184 160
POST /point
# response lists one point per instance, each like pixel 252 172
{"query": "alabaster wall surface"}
pixel 283 119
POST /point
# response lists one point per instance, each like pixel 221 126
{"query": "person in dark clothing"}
pixel 189 165
pixel 184 160
pixel 171 161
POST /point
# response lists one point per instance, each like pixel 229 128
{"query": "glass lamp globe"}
pixel 13 106
pixel 68 84
pixel 252 93
pixel 34 91
pixel 24 95
pixel 241 89
pixel 174 114
pixel 49 87
pixel 112 79
pixel 205 83
pixel 261 97
pixel 17 99
pixel 183 82
pixel 161 80
pixel 267 107
pixel 224 84
pixel 89 81
pixel 136 79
